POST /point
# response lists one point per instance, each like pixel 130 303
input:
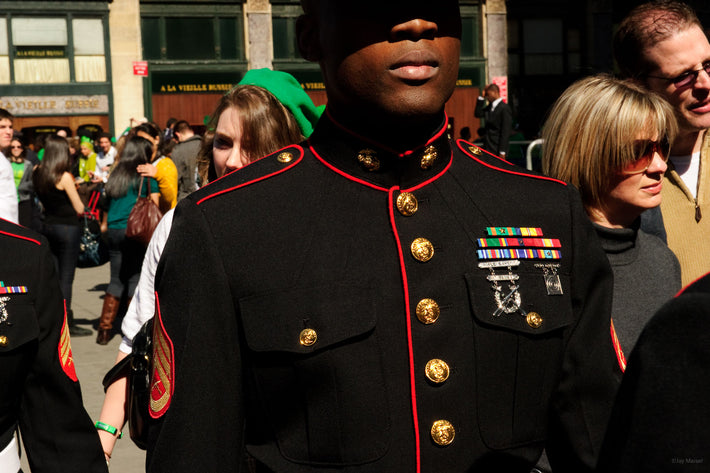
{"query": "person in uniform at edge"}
pixel 39 390
pixel 350 304
pixel 660 417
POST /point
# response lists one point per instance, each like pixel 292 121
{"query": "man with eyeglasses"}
pixel 8 192
pixel 662 45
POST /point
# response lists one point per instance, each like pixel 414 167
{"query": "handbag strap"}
pixel 140 188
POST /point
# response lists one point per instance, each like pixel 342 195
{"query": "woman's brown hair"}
pixel 56 161
pixel 266 125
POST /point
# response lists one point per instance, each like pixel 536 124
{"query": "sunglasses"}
pixel 16 147
pixel 645 150
pixel 685 79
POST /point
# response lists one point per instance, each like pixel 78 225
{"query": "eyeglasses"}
pixel 685 79
pixel 646 150
pixel 16 147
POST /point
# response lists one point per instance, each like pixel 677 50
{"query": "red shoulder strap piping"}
pixel 261 178
pixel 507 171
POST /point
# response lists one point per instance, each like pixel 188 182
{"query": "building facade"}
pixel 94 65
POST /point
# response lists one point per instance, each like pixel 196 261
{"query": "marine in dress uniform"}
pixel 39 391
pixel 357 331
pixel 345 305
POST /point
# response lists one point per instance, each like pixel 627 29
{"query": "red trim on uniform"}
pixel 682 289
pixel 162 379
pixel 484 151
pixel 410 348
pixel 507 171
pixel 21 237
pixel 433 178
pixel 387 148
pixel 66 359
pixel 617 348
pixel 344 174
pixel 224 191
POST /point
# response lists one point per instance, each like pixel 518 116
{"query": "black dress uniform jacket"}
pixel 301 333
pixel 661 416
pixel 38 388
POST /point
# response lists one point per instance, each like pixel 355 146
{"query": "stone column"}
pixel 257 28
pixel 496 29
pixel 125 32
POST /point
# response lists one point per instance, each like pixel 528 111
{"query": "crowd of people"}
pixel 366 293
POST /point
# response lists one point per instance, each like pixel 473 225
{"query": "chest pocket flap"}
pixel 305 320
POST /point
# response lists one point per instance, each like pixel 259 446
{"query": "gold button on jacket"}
pixel 422 250
pixel 308 337
pixel 437 371
pixel 407 204
pixel 427 311
pixel 443 432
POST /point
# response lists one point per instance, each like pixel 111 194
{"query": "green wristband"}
pixel 108 428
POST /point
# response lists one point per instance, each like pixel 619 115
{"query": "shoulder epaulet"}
pixel 13 230
pixel 497 163
pixel 267 167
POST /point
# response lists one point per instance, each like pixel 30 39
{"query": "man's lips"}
pixel 415 66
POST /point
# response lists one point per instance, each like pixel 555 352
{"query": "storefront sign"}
pixel 140 68
pixel 26 106
pixel 40 53
pixel 193 83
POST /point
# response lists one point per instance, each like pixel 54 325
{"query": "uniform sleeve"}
pixel 590 376
pixel 58 433
pixel 201 424
pixel 660 418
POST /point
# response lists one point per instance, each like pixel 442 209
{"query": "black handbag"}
pixel 136 367
pixel 93 248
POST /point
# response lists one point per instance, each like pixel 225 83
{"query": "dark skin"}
pixel 389 74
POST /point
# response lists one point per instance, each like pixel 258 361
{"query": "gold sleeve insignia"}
pixel 161 387
pixel 65 356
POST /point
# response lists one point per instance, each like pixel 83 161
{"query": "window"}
pixel 189 38
pixel 89 60
pixel 4 49
pixel 543 40
pixel 41 55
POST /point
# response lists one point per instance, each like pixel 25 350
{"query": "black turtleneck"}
pixel 646 275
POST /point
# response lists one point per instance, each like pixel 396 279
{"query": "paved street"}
pixel 93 361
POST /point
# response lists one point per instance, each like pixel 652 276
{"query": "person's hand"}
pixel 147 170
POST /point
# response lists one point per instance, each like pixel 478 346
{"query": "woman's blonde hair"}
pixel 590 132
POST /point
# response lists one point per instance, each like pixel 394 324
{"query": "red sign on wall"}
pixel 502 83
pixel 140 68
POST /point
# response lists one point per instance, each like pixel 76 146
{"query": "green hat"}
pixel 290 93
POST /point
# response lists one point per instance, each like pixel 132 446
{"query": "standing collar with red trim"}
pixel 376 163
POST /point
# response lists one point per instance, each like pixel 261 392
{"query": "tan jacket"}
pixel 687 219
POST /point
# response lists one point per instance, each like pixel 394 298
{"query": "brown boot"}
pixel 108 314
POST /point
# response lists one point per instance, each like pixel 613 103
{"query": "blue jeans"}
pixel 126 259
pixel 64 244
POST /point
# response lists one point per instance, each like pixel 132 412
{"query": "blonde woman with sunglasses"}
pixel 610 138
